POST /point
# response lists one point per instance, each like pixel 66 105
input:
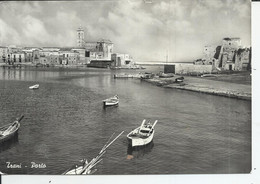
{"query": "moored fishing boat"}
pixel 111 101
pixel 179 79
pixel 142 135
pixel 208 75
pixel 36 86
pixel 87 167
pixel 123 76
pixel 8 131
pixel 166 75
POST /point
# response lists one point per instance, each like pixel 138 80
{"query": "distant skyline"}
pixel 147 31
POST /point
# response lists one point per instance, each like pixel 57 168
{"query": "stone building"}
pixel 82 54
pixel 121 60
pixel 209 52
pixel 243 59
pixel 100 50
pixel 3 54
pixel 69 57
pixel 107 47
pixel 17 57
pixel 228 56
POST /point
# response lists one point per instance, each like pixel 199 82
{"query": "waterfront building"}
pixel 36 55
pixel 95 52
pixel 43 60
pixel 28 55
pixel 69 57
pixel 121 60
pixel 228 56
pixel 3 54
pixel 82 54
pixel 107 47
pixel 18 57
pixel 54 60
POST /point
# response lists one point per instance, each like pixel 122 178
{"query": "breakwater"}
pixel 219 88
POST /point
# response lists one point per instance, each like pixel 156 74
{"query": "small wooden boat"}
pixel 179 79
pixel 87 167
pixel 111 101
pixel 10 130
pixel 36 86
pixel 208 75
pixel 166 75
pixel 142 135
pixel 147 75
pixel 123 76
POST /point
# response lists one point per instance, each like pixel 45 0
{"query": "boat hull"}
pixel 110 104
pixel 9 136
pixel 137 141
pixel 74 171
pixel 32 87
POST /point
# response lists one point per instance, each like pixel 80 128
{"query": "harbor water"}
pixel 64 122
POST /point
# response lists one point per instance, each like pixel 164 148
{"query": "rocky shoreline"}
pixel 219 88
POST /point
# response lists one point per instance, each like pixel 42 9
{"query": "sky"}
pixel 148 30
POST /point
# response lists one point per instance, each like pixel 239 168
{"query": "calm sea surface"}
pixel 65 122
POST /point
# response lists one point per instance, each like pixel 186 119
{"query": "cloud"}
pixel 34 30
pixel 146 31
pixel 8 34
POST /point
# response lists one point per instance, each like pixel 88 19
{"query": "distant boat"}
pixel 147 75
pixel 111 101
pixel 87 167
pixel 123 76
pixel 36 86
pixel 142 135
pixel 166 75
pixel 208 75
pixel 8 131
pixel 179 79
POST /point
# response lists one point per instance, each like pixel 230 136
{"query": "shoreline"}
pixel 218 88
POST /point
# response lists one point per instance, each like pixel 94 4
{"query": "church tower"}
pixel 80 37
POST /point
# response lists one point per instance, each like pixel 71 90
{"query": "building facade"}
pixel 121 60
pixel 3 54
pixel 230 55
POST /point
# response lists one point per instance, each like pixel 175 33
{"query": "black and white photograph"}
pixel 125 87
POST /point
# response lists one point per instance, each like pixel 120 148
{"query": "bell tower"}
pixel 80 37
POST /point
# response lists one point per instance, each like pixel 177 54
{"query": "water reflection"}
pixel 139 151
pixel 9 143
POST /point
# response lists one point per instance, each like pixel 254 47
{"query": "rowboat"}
pixel 123 76
pixel 36 86
pixel 142 135
pixel 208 75
pixel 111 101
pixel 8 131
pixel 166 75
pixel 179 79
pixel 147 75
pixel 86 167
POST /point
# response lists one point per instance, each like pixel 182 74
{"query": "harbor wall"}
pixel 192 69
